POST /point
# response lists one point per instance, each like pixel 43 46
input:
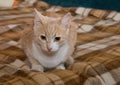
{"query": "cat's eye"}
pixel 43 37
pixel 57 38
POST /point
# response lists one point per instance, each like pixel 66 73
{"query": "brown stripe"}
pixel 17 21
pixel 15 11
pixel 68 77
pixel 110 29
pixel 40 78
pixel 55 79
pixel 16 16
pixel 92 81
pixel 20 81
pixel 99 13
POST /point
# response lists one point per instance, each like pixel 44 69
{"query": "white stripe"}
pixel 86 12
pixel 8 44
pixel 85 29
pixel 86 45
pixel 103 83
pixel 106 23
pixel 111 15
pixel 80 11
pixel 96 45
pixel 117 17
pixel 101 46
pixel 107 77
pixel 115 37
pixel 114 42
pixel 54 9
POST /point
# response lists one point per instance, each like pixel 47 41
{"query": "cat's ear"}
pixel 66 20
pixel 38 17
pixel 38 20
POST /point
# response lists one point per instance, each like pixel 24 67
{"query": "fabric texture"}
pixel 97 52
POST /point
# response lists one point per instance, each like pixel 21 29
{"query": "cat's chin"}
pixel 49 53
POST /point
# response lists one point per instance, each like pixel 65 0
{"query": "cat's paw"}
pixel 61 67
pixel 37 68
pixel 70 61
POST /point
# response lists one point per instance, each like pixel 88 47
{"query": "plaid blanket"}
pixel 97 53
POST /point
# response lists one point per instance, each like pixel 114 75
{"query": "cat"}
pixel 50 43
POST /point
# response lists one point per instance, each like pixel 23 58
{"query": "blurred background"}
pixel 99 4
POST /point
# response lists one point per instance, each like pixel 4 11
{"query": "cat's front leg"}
pixel 61 66
pixel 70 61
pixel 35 65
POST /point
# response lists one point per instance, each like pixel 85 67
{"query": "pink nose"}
pixel 49 48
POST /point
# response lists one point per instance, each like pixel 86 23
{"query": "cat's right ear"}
pixel 38 17
pixel 38 20
pixel 66 20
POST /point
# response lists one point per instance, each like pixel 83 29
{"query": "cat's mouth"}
pixel 49 53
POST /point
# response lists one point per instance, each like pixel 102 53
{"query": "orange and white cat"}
pixel 50 43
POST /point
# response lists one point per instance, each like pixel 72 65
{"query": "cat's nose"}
pixel 49 49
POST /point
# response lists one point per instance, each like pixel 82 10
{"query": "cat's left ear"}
pixel 66 20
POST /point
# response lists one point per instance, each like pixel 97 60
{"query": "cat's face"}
pixel 51 34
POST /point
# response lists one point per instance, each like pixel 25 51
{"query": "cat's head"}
pixel 51 33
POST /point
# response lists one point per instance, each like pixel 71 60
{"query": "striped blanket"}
pixel 97 53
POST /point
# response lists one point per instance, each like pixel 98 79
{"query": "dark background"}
pixel 99 4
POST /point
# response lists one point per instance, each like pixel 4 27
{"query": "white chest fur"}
pixel 50 62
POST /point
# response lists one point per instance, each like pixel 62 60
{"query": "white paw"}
pixel 70 61
pixel 61 67
pixel 37 68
